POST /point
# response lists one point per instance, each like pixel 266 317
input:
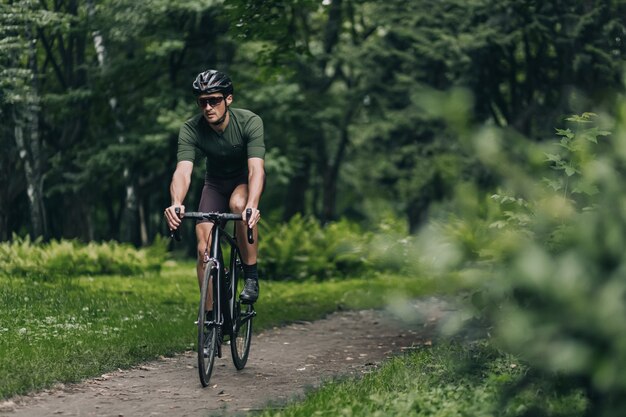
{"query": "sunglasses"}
pixel 211 101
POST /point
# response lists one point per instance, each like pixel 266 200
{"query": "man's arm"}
pixel 256 180
pixel 178 190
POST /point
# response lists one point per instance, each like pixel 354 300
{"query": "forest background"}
pixel 93 94
pixel 478 143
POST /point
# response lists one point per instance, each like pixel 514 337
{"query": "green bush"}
pixel 549 265
pixel 69 258
pixel 302 248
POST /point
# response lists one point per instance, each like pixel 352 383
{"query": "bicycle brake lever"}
pixel 250 234
pixel 175 234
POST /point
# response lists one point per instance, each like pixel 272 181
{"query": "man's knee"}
pixel 203 250
pixel 203 234
pixel 238 203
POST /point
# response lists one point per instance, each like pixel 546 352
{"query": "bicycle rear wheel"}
pixel 207 328
pixel 242 321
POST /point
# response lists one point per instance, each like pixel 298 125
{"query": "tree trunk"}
pixel 130 215
pixel 295 200
pixel 143 224
pixel 331 176
pixel 12 183
pixel 28 143
pixel 5 201
pixel 416 213
pixel 32 171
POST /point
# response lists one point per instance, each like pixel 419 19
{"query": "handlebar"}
pixel 214 217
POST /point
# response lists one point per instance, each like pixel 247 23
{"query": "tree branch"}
pixel 333 26
pixel 50 58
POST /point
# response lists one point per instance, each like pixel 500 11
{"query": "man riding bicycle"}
pixel 232 141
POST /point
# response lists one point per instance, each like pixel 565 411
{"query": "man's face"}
pixel 214 105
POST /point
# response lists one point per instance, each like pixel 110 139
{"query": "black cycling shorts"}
pixel 216 193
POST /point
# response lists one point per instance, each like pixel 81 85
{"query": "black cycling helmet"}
pixel 212 81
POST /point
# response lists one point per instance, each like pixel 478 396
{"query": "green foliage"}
pixel 549 277
pixel 301 249
pixel 344 87
pixel 564 186
pixel 576 151
pixel 514 210
pixel 490 48
pixel 68 258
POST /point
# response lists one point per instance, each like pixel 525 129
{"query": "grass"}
pixel 68 330
pixel 445 380
pixel 64 330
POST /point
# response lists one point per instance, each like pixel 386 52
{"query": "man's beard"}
pixel 221 119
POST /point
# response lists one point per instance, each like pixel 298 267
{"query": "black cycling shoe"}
pixel 250 291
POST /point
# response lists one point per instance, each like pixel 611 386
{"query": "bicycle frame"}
pixel 219 234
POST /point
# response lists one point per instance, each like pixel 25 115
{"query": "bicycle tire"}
pixel 242 315
pixel 207 331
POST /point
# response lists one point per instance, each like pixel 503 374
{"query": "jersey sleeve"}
pixel 256 141
pixel 186 144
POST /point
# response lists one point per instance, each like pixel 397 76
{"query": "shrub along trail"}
pixel 283 363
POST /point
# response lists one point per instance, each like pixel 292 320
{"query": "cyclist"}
pixel 232 141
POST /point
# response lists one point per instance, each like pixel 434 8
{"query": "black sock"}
pixel 250 272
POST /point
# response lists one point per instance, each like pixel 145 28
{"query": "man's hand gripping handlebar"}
pixel 250 233
pixel 175 234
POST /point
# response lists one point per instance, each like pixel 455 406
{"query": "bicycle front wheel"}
pixel 207 327
pixel 242 321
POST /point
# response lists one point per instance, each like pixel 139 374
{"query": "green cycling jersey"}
pixel 226 153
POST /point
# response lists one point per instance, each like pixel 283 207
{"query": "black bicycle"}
pixel 230 317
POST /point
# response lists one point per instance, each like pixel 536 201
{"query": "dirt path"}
pixel 283 362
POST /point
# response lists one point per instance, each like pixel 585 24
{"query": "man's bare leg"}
pixel 249 251
pixel 203 235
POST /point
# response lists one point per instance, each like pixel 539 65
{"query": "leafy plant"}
pixel 572 153
pixel 302 248
pixel 69 258
pixel 550 277
pixel 575 153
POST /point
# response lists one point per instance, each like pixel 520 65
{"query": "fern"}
pixel 23 257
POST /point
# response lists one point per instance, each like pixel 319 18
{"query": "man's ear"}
pixel 229 99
